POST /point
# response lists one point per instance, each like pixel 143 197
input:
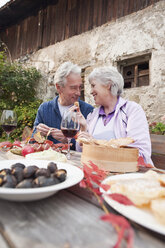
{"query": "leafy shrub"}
pixel 26 116
pixel 17 91
pixel 17 83
pixel 157 128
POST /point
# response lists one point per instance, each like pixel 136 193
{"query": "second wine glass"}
pixel 8 121
pixel 69 127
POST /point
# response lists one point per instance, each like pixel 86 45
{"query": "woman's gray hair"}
pixel 64 70
pixel 108 75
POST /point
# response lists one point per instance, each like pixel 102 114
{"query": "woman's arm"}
pixel 138 129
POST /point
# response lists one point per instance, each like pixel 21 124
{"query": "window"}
pixel 83 80
pixel 135 71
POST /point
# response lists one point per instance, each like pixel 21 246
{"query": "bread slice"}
pixel 139 190
pixel 162 179
pixel 158 208
pixel 76 104
pixel 120 142
pixel 115 143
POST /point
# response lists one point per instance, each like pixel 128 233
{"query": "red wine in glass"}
pixel 8 128
pixel 69 127
pixel 69 133
pixel 8 121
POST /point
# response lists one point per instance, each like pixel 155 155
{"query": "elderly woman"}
pixel 115 117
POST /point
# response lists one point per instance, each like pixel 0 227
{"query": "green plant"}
pixel 17 91
pixel 17 83
pixel 26 116
pixel 157 128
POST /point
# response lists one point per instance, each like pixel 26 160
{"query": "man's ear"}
pixel 58 87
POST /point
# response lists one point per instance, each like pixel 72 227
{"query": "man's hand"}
pixel 54 132
pixel 43 129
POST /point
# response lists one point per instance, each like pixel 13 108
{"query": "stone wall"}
pixel 133 35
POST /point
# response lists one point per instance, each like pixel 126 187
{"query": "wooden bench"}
pixel 158 150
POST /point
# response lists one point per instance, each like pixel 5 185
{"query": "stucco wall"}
pixel 132 35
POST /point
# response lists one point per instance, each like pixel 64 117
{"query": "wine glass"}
pixel 8 121
pixel 69 127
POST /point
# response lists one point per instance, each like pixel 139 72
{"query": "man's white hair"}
pixel 64 70
pixel 108 75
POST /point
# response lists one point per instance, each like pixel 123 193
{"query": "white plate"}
pixel 141 216
pixel 74 176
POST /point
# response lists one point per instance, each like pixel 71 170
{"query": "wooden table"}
pixel 68 219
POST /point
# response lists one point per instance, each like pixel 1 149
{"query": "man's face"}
pixel 70 92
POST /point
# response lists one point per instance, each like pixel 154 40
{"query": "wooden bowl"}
pixel 111 159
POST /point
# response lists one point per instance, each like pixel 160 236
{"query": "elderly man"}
pixel 68 84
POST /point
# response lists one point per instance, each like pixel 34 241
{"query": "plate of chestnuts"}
pixel 29 180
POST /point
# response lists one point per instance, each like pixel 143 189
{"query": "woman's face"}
pixel 99 92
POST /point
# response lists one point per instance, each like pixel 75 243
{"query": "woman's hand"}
pixel 82 121
pixel 83 135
